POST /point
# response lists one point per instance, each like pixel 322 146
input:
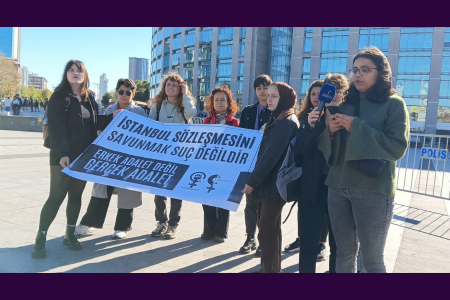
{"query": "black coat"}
pixel 271 154
pixel 248 116
pixel 309 158
pixel 66 128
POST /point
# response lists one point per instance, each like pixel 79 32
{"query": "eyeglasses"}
pixel 121 92
pixel 363 71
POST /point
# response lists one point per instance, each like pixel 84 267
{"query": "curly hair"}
pixel 158 99
pixel 339 81
pixel 382 89
pixel 307 106
pixel 232 108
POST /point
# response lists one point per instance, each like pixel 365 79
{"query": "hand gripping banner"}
pixel 207 164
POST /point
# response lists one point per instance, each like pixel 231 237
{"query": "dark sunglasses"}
pixel 128 93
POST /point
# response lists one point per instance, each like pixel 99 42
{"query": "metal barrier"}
pixel 423 169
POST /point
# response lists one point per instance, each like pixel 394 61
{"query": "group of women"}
pixel 348 162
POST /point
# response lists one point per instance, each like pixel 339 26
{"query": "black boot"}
pixel 70 241
pixel 258 252
pixel 249 244
pixel 39 246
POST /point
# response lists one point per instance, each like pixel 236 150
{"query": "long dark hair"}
pixel 65 85
pixel 382 89
pixel 307 106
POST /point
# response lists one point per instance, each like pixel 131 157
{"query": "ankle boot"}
pixel 39 246
pixel 249 245
pixel 70 241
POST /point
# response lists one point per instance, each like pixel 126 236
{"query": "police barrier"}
pixel 423 169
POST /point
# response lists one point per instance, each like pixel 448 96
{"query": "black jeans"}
pixel 61 185
pixel 251 215
pixel 216 221
pixel 311 216
pixel 96 213
pixel 161 211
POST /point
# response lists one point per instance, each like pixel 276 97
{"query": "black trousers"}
pixel 61 185
pixel 251 215
pixel 312 216
pixel 270 236
pixel 96 213
pixel 161 210
pixel 216 221
pixel 323 231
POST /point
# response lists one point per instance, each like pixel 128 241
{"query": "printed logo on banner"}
pixel 212 180
pixel 195 178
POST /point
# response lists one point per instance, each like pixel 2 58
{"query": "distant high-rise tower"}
pixel 138 69
pixel 103 85
pixel 10 42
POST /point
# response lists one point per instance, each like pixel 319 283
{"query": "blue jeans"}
pixel 364 217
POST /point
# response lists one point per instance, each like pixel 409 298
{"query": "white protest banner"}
pixel 207 164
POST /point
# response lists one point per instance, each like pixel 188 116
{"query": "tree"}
pixel 9 77
pixel 45 94
pixel 106 97
pixel 141 90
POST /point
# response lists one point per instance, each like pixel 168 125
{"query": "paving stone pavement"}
pixel 418 239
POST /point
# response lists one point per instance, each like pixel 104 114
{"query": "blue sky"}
pixel 46 50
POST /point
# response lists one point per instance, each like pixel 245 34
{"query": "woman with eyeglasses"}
pixel 173 104
pixel 362 144
pixel 221 109
pixel 72 126
pixel 101 194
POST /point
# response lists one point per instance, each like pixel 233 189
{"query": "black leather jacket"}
pixel 248 116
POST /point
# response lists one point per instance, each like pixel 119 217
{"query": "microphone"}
pixel 326 95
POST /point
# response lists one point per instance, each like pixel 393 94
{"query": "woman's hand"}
pixel 64 162
pixel 116 112
pixel 313 116
pixel 345 121
pixel 334 124
pixel 184 88
pixel 247 189
pixel 149 103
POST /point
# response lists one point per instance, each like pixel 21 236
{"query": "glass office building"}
pixel 207 57
pixel 10 42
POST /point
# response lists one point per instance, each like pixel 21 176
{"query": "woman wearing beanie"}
pixel 278 133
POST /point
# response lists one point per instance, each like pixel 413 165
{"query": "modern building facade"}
pixel 10 42
pixel 138 68
pixel 39 83
pixel 103 85
pixel 23 72
pixel 212 56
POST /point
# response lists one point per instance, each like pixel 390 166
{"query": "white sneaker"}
pixel 83 229
pixel 118 235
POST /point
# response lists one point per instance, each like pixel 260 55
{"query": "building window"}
pixel 189 39
pixel 158 50
pixel 240 68
pixel 158 63
pixel 160 33
pixel 414 62
pixel 189 55
pixel 167 32
pixel 188 28
pixel 176 30
pixel 206 35
pixel 204 69
pixel 225 50
pixel 204 52
pixel 374 36
pixel 239 86
pixel 280 53
pixel 188 71
pixel 306 69
pixel 166 48
pixel 203 91
pixel 176 58
pixel 242 32
pixel 334 50
pixel 224 68
pixel 225 33
pixel 443 118
pixel 176 43
pixel 166 61
pixel 307 44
